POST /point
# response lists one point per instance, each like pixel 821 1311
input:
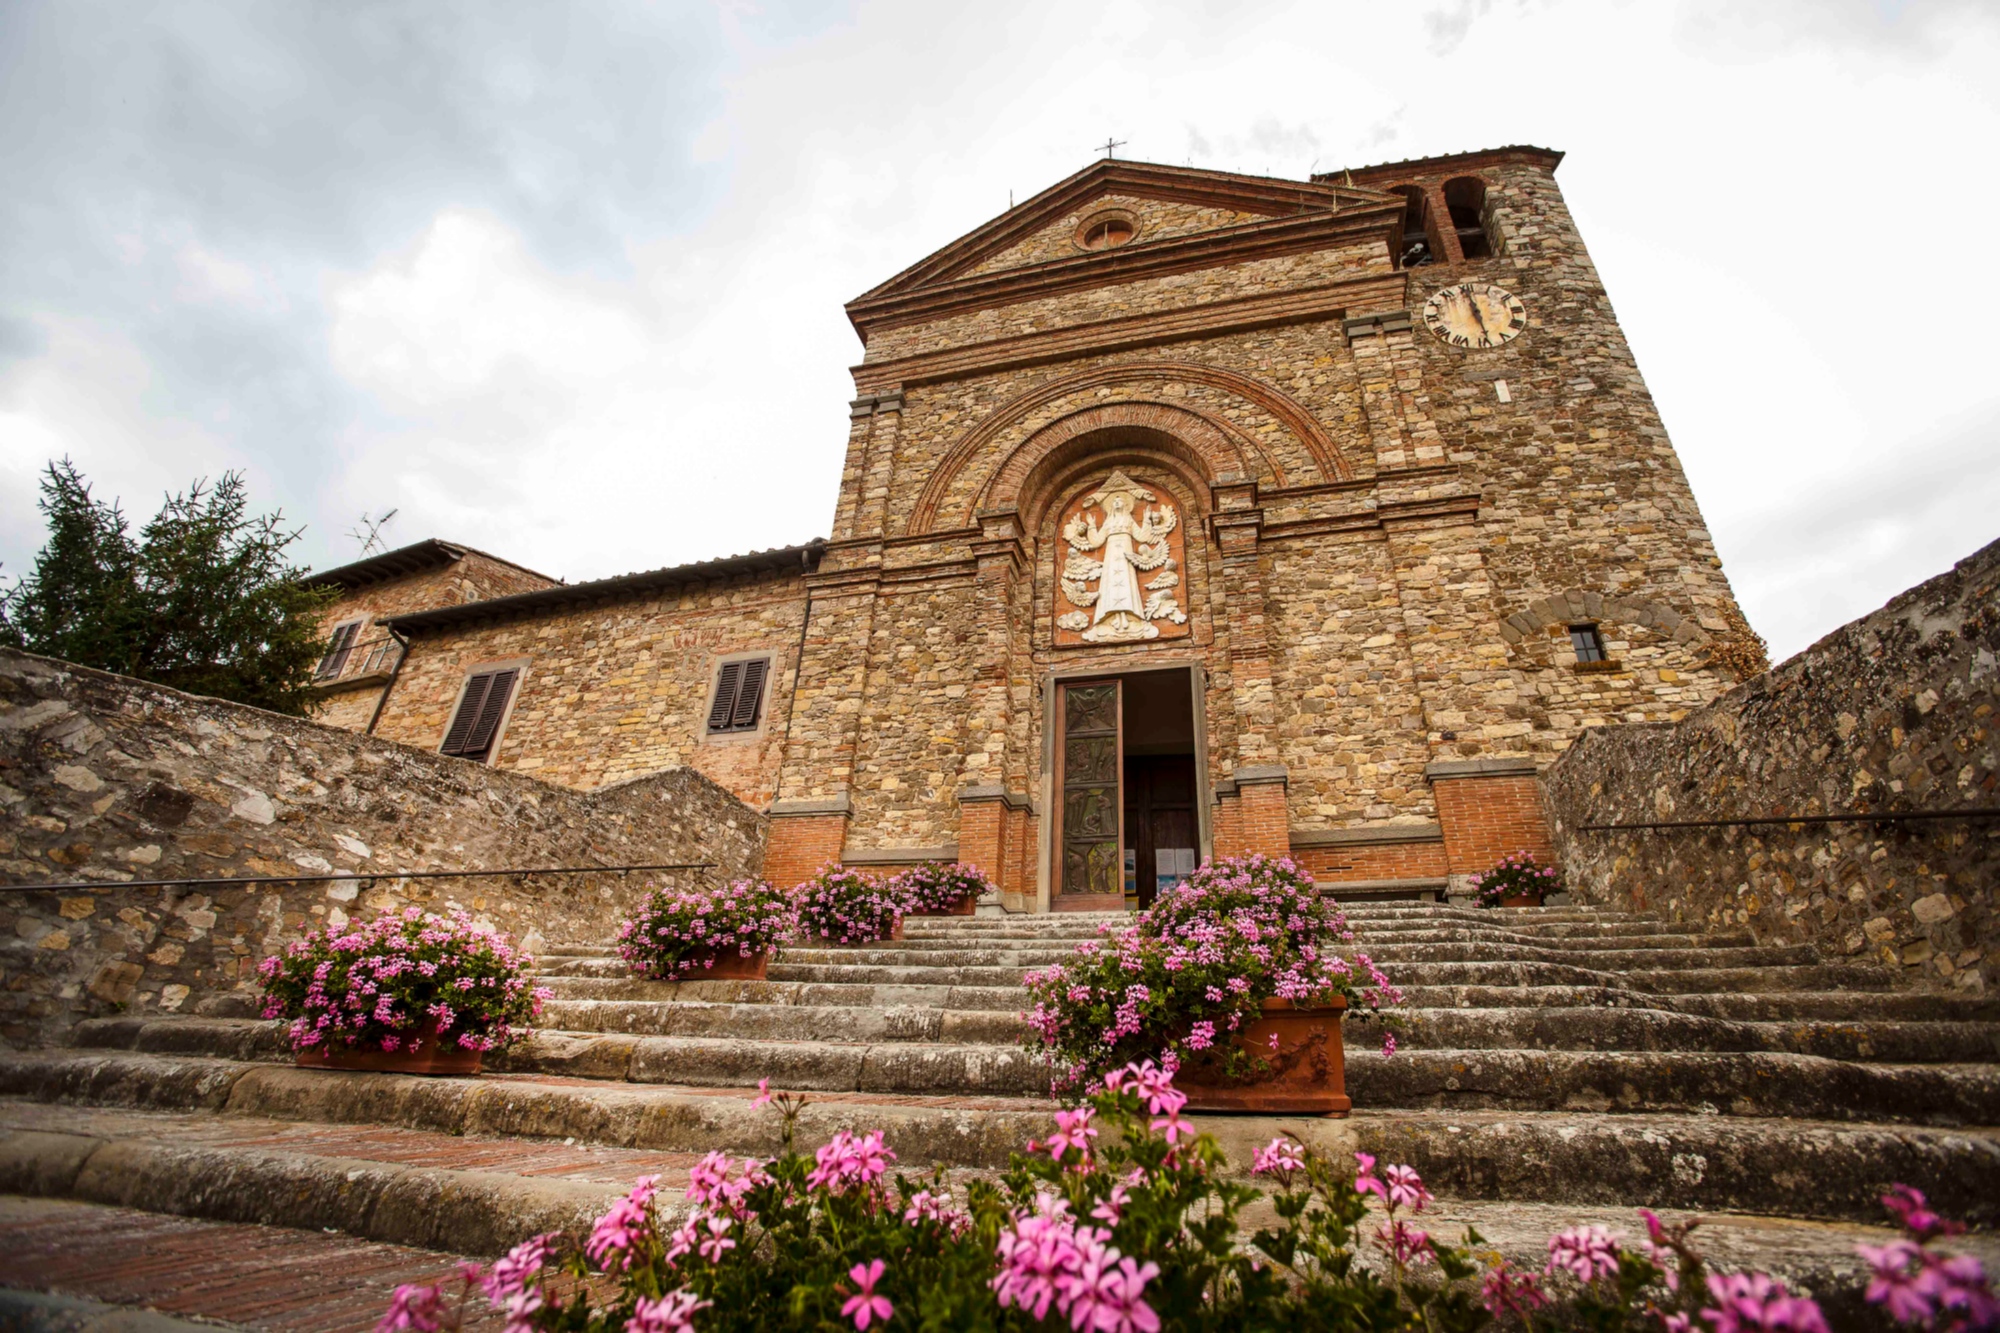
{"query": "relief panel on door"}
pixel 1091 796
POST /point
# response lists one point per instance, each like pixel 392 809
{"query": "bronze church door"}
pixel 1089 833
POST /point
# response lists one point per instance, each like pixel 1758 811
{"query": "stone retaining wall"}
pixel 1894 712
pixel 105 778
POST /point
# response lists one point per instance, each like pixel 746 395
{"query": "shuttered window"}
pixel 739 696
pixel 477 721
pixel 337 650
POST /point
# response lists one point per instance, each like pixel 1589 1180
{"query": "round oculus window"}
pixel 1106 233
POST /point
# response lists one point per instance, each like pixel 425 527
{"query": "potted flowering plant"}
pixel 408 992
pixel 938 889
pixel 1231 979
pixel 1515 881
pixel 848 907
pixel 707 934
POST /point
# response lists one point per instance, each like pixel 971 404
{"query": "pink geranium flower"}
pixel 865 1306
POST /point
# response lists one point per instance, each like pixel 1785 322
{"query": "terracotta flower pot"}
pixel 425 1055
pixel 963 907
pixel 1307 1073
pixel 1521 900
pixel 730 966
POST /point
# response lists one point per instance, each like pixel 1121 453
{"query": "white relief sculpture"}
pixel 1133 543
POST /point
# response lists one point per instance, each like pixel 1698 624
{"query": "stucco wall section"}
pixel 104 778
pixel 1894 712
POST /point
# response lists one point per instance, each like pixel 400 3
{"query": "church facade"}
pixel 1183 514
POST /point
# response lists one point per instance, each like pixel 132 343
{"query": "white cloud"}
pixel 579 300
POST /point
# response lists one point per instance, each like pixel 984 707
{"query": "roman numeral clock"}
pixel 1475 315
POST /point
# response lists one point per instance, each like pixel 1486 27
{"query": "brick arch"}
pixel 1212 452
pixel 1054 475
pixel 1279 405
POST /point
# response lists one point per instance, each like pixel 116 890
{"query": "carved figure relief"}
pixel 1120 568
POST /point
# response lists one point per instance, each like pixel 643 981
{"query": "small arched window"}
pixel 1465 197
pixel 1416 247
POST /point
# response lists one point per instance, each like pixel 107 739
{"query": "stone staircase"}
pixel 1549 1056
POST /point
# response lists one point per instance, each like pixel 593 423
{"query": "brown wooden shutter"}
pixel 724 707
pixel 480 742
pixel 467 717
pixel 336 654
pixel 750 695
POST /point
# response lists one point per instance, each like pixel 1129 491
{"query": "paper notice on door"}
pixel 1171 865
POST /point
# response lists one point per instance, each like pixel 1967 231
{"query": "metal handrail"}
pixel 1849 817
pixel 343 877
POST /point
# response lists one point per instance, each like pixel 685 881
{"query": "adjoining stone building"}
pixel 1184 513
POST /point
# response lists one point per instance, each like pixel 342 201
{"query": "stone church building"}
pixel 1184 513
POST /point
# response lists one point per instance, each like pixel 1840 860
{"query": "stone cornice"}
pixel 1235 193
pixel 1133 332
pixel 1266 239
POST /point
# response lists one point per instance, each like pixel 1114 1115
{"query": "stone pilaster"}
pixel 1236 525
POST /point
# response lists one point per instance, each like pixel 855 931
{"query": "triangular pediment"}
pixel 1163 206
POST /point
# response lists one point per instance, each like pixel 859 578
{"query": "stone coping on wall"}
pixel 883 856
pixel 813 805
pixel 1521 766
pixel 1367 837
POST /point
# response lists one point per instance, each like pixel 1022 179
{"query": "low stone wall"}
pixel 105 778
pixel 1895 712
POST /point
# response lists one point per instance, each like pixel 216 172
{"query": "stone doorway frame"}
pixel 1049 790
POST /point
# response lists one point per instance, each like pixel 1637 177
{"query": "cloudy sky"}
pixel 564 281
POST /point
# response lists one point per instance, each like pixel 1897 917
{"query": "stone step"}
pixel 121 1270
pixel 787 1022
pixel 1795 1168
pixel 378 1183
pixel 1753 1082
pixel 1649 1029
pixel 1776 1007
pixel 1389 956
pixel 1687 980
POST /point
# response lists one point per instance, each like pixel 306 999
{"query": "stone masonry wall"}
pixel 1894 712
pixel 618 690
pixel 105 778
pixel 473 577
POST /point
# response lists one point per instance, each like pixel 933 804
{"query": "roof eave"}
pixel 803 557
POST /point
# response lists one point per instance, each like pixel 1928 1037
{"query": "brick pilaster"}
pixel 805 835
pixel 1489 808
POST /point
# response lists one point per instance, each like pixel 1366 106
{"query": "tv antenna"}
pixel 369 532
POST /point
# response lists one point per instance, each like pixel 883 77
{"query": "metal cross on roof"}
pixel 1110 145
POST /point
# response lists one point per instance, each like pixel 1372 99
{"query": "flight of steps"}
pixel 1549 1056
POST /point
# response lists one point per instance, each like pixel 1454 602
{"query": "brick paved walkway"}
pixel 259 1277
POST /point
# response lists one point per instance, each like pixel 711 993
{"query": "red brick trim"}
pixel 926 514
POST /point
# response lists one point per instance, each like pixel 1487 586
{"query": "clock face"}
pixel 1475 314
